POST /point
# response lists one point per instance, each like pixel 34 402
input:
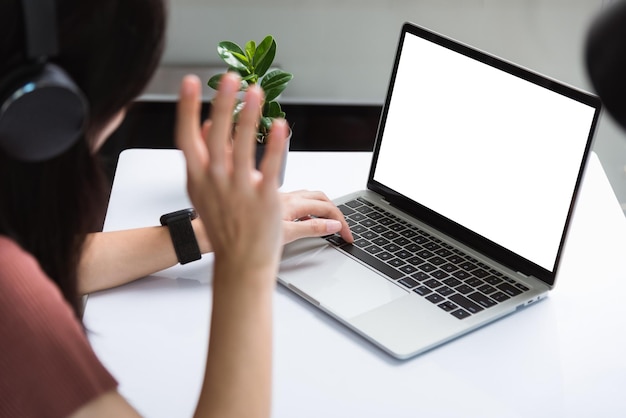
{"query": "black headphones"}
pixel 42 111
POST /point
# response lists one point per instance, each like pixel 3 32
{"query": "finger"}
pixel 245 136
pixel 188 137
pixel 222 118
pixel 314 227
pixel 302 207
pixel 274 153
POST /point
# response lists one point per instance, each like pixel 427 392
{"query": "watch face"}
pixel 179 214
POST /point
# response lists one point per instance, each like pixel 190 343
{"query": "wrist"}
pixel 243 275
pixel 201 236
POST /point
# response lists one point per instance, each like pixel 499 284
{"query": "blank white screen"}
pixel 486 149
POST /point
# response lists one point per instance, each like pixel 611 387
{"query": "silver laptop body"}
pixel 482 157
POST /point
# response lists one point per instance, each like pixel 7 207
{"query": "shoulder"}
pixel 48 367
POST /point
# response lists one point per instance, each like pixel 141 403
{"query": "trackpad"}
pixel 337 282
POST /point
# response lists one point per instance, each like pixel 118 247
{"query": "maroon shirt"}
pixel 47 367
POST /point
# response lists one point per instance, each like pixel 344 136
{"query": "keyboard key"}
pixel 439 275
pixel 358 229
pixel 408 269
pixel 357 217
pixel 447 306
pixel 432 283
pixel 403 254
pixel 379 229
pixel 416 261
pixel 346 210
pixel 444 291
pixel 464 302
pixel 451 281
pixel 397 227
pixel 449 267
pixel 364 209
pixel 442 252
pixel 481 299
pixel 361 243
pixel 373 249
pixel 508 289
pixel 368 222
pixel 408 233
pixel 422 290
pixel 390 235
pixel 464 289
pixel 461 314
pixel 436 260
pixel 480 273
pixel 401 241
pixel 424 254
pixel 384 256
pixel 408 282
pixel 493 280
pixel 420 275
pixel 435 298
pixel 380 241
pixel 427 267
pixel 461 274
pixel 486 289
pixel 413 248
pixel 374 215
pixel 391 247
pixel 521 287
pixel 396 262
pixel 467 266
pixel 455 259
pixel 474 282
pixel 369 235
pixel 432 246
pixel 420 239
pixel 353 203
pixel 500 297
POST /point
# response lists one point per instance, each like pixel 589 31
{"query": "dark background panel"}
pixel 316 127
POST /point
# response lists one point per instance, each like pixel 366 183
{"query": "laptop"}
pixel 473 181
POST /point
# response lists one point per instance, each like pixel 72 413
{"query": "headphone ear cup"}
pixel 43 117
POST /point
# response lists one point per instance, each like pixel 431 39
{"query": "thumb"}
pixel 314 227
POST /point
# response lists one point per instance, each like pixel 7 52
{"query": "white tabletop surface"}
pixel 563 357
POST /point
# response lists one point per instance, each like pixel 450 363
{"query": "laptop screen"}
pixel 484 148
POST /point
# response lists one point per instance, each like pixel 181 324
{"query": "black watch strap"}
pixel 183 237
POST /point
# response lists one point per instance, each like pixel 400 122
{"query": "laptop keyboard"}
pixel 435 270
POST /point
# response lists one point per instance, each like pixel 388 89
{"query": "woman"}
pixel 48 209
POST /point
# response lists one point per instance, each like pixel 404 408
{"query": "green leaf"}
pixel 272 110
pixel 214 81
pixel 264 55
pixel 274 83
pixel 266 123
pixel 250 49
pixel 232 54
pixel 275 78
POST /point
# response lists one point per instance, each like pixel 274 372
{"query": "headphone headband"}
pixel 40 25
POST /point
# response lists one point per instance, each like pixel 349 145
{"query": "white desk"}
pixel 564 357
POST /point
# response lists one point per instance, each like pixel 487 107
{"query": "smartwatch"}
pixel 183 237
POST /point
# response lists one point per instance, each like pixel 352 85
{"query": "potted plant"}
pixel 253 63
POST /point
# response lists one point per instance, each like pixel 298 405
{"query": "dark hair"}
pixel 605 59
pixel 111 49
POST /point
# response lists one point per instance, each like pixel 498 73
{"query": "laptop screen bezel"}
pixel 477 242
